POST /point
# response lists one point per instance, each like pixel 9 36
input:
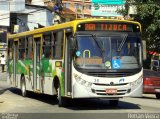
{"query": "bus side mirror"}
pixel 144 49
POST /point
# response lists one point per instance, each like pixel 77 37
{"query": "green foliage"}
pixel 148 14
pixel 149 17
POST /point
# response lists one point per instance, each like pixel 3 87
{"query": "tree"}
pixel 148 14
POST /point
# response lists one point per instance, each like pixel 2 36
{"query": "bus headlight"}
pixel 82 81
pixel 136 82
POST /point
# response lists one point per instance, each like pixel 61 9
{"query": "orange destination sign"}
pixel 109 26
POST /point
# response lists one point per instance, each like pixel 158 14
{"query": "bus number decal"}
pixel 96 80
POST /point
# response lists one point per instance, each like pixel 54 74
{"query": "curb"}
pixel 3 90
pixel 4 86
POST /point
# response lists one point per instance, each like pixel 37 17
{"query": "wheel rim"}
pixel 23 88
pixel 59 96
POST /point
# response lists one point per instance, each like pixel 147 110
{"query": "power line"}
pixel 22 15
pixel 22 21
pixel 18 2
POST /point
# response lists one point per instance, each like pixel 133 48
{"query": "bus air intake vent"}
pixel 100 84
pixel 110 74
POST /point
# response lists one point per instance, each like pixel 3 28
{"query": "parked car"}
pixel 151 82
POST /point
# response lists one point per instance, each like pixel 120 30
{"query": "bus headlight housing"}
pixel 82 81
pixel 136 82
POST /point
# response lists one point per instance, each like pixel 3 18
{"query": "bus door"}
pixel 36 62
pixel 68 64
pixel 15 59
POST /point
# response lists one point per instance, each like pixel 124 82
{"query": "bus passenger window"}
pixel 10 49
pixel 21 48
pixel 47 45
pixel 58 45
pixel 31 55
pixel 30 47
pixel 26 48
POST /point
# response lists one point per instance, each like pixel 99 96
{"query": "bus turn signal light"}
pixel 58 63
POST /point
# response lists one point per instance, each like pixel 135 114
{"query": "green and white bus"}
pixel 85 58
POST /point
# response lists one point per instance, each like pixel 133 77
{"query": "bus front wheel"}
pixel 158 95
pixel 23 87
pixel 61 100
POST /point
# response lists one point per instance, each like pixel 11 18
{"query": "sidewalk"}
pixel 3 82
pixel 3 76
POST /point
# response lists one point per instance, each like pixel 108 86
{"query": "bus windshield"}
pixel 108 52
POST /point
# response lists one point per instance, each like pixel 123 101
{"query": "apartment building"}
pixel 80 8
pixel 73 9
pixel 92 8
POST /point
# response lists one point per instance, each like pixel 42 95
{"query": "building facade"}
pixel 81 8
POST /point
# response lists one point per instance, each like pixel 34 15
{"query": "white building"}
pixel 18 16
pixel 7 6
pixel 38 2
pixel 33 16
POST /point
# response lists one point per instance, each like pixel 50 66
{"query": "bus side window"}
pixel 26 48
pixel 58 44
pixel 15 47
pixel 22 48
pixel 30 47
pixel 47 45
pixel 10 49
pixel 53 44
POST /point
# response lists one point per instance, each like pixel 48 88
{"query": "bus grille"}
pixel 120 84
pixel 110 74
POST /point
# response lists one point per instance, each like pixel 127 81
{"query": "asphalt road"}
pixel 38 106
pixel 3 82
pixel 42 106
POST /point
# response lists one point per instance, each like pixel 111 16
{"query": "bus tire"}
pixel 113 103
pixel 23 87
pixel 61 100
pixel 158 95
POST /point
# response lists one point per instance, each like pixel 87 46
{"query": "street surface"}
pixel 11 101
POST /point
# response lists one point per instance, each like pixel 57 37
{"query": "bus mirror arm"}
pixel 73 43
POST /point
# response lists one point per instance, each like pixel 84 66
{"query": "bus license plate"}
pixel 111 91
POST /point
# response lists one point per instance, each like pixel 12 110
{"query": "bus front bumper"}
pixel 80 91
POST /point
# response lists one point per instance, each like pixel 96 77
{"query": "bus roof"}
pixel 65 25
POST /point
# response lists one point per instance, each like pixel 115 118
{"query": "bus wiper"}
pixel 102 50
pixel 123 42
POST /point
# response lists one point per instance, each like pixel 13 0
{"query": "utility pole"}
pixel 83 1
pixel 9 3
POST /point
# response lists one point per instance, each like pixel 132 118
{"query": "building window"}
pixel 88 7
pixel 67 5
pixel 78 6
